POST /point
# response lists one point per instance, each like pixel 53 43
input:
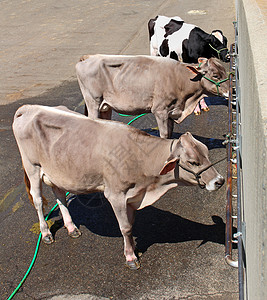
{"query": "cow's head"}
pixel 189 158
pixel 213 76
pixel 218 45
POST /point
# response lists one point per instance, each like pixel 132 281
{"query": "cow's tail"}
pixel 28 188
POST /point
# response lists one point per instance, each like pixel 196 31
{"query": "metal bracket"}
pixel 229 139
pixel 238 234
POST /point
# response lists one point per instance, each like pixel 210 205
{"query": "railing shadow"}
pixel 216 101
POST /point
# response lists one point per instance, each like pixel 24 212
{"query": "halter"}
pixel 218 51
pixel 197 175
pixel 217 83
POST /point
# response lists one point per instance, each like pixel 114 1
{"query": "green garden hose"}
pixel 34 257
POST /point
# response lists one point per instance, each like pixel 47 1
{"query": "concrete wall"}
pixel 252 49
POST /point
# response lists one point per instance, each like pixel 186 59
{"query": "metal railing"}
pixel 234 159
pixel 231 142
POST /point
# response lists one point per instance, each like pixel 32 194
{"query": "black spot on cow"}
pixel 164 48
pixel 197 46
pixel 151 25
pixel 172 26
pixel 174 55
pixel 185 55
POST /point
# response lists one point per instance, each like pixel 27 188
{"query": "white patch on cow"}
pixel 197 12
pixel 211 186
pixel 159 32
pixel 218 35
pixel 176 39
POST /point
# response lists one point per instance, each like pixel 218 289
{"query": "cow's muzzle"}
pixel 215 183
pixel 219 181
pixel 224 57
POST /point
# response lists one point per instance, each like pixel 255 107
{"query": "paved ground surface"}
pixel 181 237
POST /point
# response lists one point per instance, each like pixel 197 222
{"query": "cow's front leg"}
pixel 197 110
pixel 125 215
pixel 203 105
pixel 92 107
pixel 73 231
pixel 170 127
pixel 165 125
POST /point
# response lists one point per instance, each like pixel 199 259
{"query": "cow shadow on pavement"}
pixel 152 225
pixel 211 143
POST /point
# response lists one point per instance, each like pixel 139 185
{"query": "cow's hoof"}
pixel 197 113
pixel 205 109
pixel 48 239
pixel 133 264
pixel 75 233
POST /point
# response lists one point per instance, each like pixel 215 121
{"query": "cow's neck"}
pixel 156 154
pixel 190 104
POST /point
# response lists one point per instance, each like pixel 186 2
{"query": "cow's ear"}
pixel 193 70
pixel 168 166
pixel 202 61
pixel 202 65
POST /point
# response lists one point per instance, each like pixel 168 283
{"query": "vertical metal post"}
pixel 236 139
pixel 229 207
pixel 240 228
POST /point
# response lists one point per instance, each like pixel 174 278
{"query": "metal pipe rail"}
pixel 230 140
pixel 234 146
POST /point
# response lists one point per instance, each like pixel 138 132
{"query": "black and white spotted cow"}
pixel 172 37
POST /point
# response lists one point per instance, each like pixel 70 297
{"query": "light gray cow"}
pixel 140 84
pixel 71 152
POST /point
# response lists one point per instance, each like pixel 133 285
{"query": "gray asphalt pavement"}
pixel 181 237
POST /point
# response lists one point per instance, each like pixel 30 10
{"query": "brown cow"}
pixel 140 84
pixel 71 152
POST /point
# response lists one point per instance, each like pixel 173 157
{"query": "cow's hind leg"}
pixel 34 187
pixel 73 231
pixel 125 215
